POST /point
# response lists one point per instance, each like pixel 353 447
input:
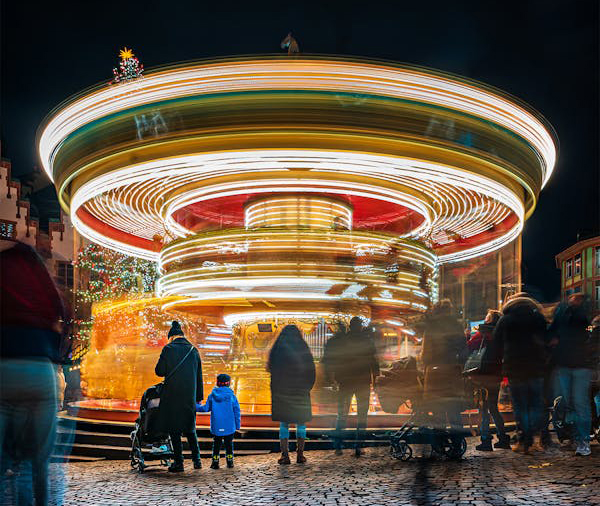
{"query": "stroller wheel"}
pixel 401 451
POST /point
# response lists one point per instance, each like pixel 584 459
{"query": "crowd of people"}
pixel 542 362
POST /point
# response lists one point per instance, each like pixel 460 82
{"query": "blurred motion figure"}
pixel 32 318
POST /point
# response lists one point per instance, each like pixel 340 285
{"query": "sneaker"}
pixel 485 446
pixel 176 468
pixel 503 443
pixel 583 449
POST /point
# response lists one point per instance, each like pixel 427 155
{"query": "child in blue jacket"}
pixel 225 418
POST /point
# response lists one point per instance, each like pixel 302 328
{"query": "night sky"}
pixel 544 52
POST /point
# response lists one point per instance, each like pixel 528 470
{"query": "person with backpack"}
pixel 574 365
pixel 180 365
pixel 489 379
pixel 32 320
pixel 225 419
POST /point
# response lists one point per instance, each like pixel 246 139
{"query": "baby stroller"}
pixel 564 426
pixel 147 444
pixel 403 384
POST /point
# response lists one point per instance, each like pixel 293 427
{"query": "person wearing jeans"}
pixel 520 339
pixel 362 393
pixel 574 361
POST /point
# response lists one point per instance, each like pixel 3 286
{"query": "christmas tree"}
pixel 129 67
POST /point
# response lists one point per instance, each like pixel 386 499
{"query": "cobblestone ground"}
pixel 498 478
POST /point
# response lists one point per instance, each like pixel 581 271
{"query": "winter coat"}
pixel 351 359
pixel 569 326
pixel 520 339
pixel 225 417
pixel 444 346
pixel 182 390
pixel 444 341
pixel 30 305
pixel 292 378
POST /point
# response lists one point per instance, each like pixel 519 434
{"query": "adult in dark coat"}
pixel 442 353
pixel 292 369
pixel 351 361
pixel 574 363
pixel 520 338
pixel 180 365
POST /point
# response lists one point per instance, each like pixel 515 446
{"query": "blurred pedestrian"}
pixel 442 355
pixel 32 317
pixel 350 360
pixel 520 337
pixel 180 365
pixel 292 369
pixel 225 419
pixel 489 379
pixel 574 365
pixel 595 359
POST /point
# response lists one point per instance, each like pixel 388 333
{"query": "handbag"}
pixel 474 363
pixel 161 385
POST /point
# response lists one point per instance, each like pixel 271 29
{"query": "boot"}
pixel 520 447
pixel 300 458
pixel 176 467
pixel 537 446
pixel 197 463
pixel 229 459
pixel 285 452
pixel 215 462
pixel 485 446
pixel 503 442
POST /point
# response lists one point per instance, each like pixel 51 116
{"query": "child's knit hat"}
pixel 223 380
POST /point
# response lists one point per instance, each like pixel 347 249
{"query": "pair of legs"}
pixel 216 450
pixel 363 394
pixel 528 406
pixel 284 436
pixel 178 447
pixel 489 408
pixel 574 386
pixel 28 404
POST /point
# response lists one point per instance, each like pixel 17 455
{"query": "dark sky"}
pixel 545 52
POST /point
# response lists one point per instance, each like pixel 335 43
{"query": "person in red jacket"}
pixel 31 316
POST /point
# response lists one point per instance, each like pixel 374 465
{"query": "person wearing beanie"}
pixel 225 418
pixel 180 365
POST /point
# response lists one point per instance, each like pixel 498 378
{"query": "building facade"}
pixel 54 240
pixel 580 270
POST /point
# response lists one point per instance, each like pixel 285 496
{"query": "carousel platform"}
pixel 93 430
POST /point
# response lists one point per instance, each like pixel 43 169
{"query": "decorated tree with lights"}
pixel 129 67
pixel 107 274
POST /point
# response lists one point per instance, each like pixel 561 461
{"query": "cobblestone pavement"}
pixel 497 478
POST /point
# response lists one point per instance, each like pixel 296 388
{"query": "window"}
pixel 598 258
pixel 578 264
pixel 64 274
pixel 597 295
pixel 8 229
pixel 569 268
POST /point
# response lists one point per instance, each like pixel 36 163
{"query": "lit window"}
pixel 569 268
pixel 598 257
pixel 577 264
pixel 64 274
pixel 8 229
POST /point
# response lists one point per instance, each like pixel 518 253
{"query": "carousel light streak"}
pixel 284 184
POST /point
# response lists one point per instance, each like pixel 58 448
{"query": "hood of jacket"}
pixel 521 305
pixel 221 394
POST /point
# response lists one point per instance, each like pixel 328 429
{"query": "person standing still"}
pixel 351 361
pixel 180 365
pixel 574 366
